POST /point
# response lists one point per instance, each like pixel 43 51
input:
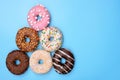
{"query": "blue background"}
pixel 91 30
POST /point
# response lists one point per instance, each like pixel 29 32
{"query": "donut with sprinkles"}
pixel 38 17
pixel 21 39
pixel 51 44
pixel 27 40
pixel 40 61
pixel 63 68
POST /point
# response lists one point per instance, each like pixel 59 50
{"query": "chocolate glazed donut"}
pixel 63 68
pixel 21 37
pixel 11 64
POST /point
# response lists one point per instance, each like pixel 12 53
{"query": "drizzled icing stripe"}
pixel 58 55
pixel 60 67
pixel 66 55
pixel 56 59
pixel 68 67
pixel 69 62
pixel 58 71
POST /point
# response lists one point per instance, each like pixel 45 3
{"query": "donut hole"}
pixel 63 60
pixel 17 62
pixel 27 39
pixel 51 38
pixel 38 18
pixel 40 61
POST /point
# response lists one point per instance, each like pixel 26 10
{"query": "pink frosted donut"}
pixel 38 17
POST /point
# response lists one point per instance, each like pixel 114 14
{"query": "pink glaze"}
pixel 41 11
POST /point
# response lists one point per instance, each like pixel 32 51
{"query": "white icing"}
pixel 58 55
pixel 56 59
pixel 68 67
pixel 66 54
pixel 60 67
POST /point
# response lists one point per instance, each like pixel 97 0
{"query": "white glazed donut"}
pixel 36 57
pixel 51 45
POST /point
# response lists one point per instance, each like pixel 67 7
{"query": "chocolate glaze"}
pixel 12 66
pixel 68 65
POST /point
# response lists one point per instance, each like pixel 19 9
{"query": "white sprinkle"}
pixel 35 17
pixel 44 13
pixel 33 14
pixel 28 19
pixel 39 10
pixel 49 60
pixel 40 15
pixel 47 15
pixel 33 26
pixel 35 22
pixel 37 29
pixel 40 19
pixel 41 5
pixel 48 22
pixel 41 67
pixel 28 16
pixel 31 11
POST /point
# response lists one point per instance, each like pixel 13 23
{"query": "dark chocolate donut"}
pixel 11 64
pixel 21 36
pixel 63 68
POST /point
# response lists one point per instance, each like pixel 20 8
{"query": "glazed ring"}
pixel 47 34
pixel 63 68
pixel 21 37
pixel 11 64
pixel 36 57
pixel 38 17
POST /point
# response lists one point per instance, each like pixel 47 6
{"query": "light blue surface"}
pixel 91 30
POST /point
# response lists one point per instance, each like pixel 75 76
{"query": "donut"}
pixel 21 37
pixel 40 68
pixel 63 68
pixel 38 17
pixel 11 59
pixel 47 34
